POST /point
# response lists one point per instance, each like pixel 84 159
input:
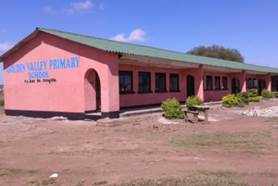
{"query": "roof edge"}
pixel 19 44
pixel 194 59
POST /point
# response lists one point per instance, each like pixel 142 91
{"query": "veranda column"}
pixel 243 81
pixel 199 85
pixel 268 82
pixel 110 96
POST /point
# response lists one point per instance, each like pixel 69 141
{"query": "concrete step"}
pixel 134 112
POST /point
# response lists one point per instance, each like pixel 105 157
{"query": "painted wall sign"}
pixel 38 70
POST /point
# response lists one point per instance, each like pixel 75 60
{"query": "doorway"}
pixel 92 91
pixel 261 86
pixel 235 86
pixel 190 86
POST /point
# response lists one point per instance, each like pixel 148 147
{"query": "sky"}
pixel 251 26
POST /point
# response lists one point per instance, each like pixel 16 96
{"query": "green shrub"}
pixel 253 93
pixel 255 99
pixel 193 101
pixel 275 94
pixel 231 100
pixel 243 96
pixel 172 109
pixel 266 94
pixel 1 102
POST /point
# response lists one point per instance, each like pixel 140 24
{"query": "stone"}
pixel 59 118
pixel 54 175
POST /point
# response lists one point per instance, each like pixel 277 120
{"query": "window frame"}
pixel 206 78
pixel 217 83
pixel 130 74
pixel 178 82
pixel 158 75
pixel 140 91
pixel 222 81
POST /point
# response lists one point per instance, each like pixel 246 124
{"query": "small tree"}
pixel 217 51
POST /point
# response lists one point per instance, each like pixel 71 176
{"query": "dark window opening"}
pixel 252 83
pixel 144 82
pixel 209 83
pixel 174 83
pixel 224 83
pixel 126 82
pixel 235 85
pixel 160 82
pixel 217 84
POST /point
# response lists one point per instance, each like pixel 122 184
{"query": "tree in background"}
pixel 217 51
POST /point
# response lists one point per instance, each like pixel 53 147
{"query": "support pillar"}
pixel 243 82
pixel 199 85
pixel 268 82
pixel 110 96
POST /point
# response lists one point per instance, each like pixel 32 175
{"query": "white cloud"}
pixel 137 35
pixel 81 6
pixel 5 46
pixel 120 37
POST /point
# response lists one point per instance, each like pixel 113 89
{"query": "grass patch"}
pixel 243 141
pixel 46 182
pixel 197 178
pixel 14 172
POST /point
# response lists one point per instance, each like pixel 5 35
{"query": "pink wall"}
pixel 67 93
pixel 216 95
pixel 136 99
pixel 72 92
pixel 266 78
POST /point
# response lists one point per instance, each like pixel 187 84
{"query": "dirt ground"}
pixel 230 150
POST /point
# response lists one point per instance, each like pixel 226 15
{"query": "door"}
pixel 235 86
pixel 98 93
pixel 190 86
pixel 92 91
pixel 262 86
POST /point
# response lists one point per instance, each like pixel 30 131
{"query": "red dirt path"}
pixel 105 152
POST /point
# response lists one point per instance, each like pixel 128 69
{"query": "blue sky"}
pixel 249 26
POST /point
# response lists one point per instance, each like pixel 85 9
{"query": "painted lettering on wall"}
pixel 38 71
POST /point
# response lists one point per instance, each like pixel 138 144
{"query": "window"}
pixel 160 82
pixel 224 83
pixel 174 83
pixel 252 83
pixel 126 82
pixel 144 82
pixel 209 83
pixel 217 84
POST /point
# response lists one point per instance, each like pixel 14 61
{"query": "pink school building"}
pixel 51 73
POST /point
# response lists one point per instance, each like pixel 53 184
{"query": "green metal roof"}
pixel 146 51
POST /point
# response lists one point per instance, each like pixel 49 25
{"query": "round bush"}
pixel 253 93
pixel 193 101
pixel 172 109
pixel 266 94
pixel 231 101
pixel 275 94
pixel 244 98
pixel 255 99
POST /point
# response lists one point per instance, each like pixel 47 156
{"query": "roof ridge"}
pixel 119 42
pixel 109 45
pixel 146 46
